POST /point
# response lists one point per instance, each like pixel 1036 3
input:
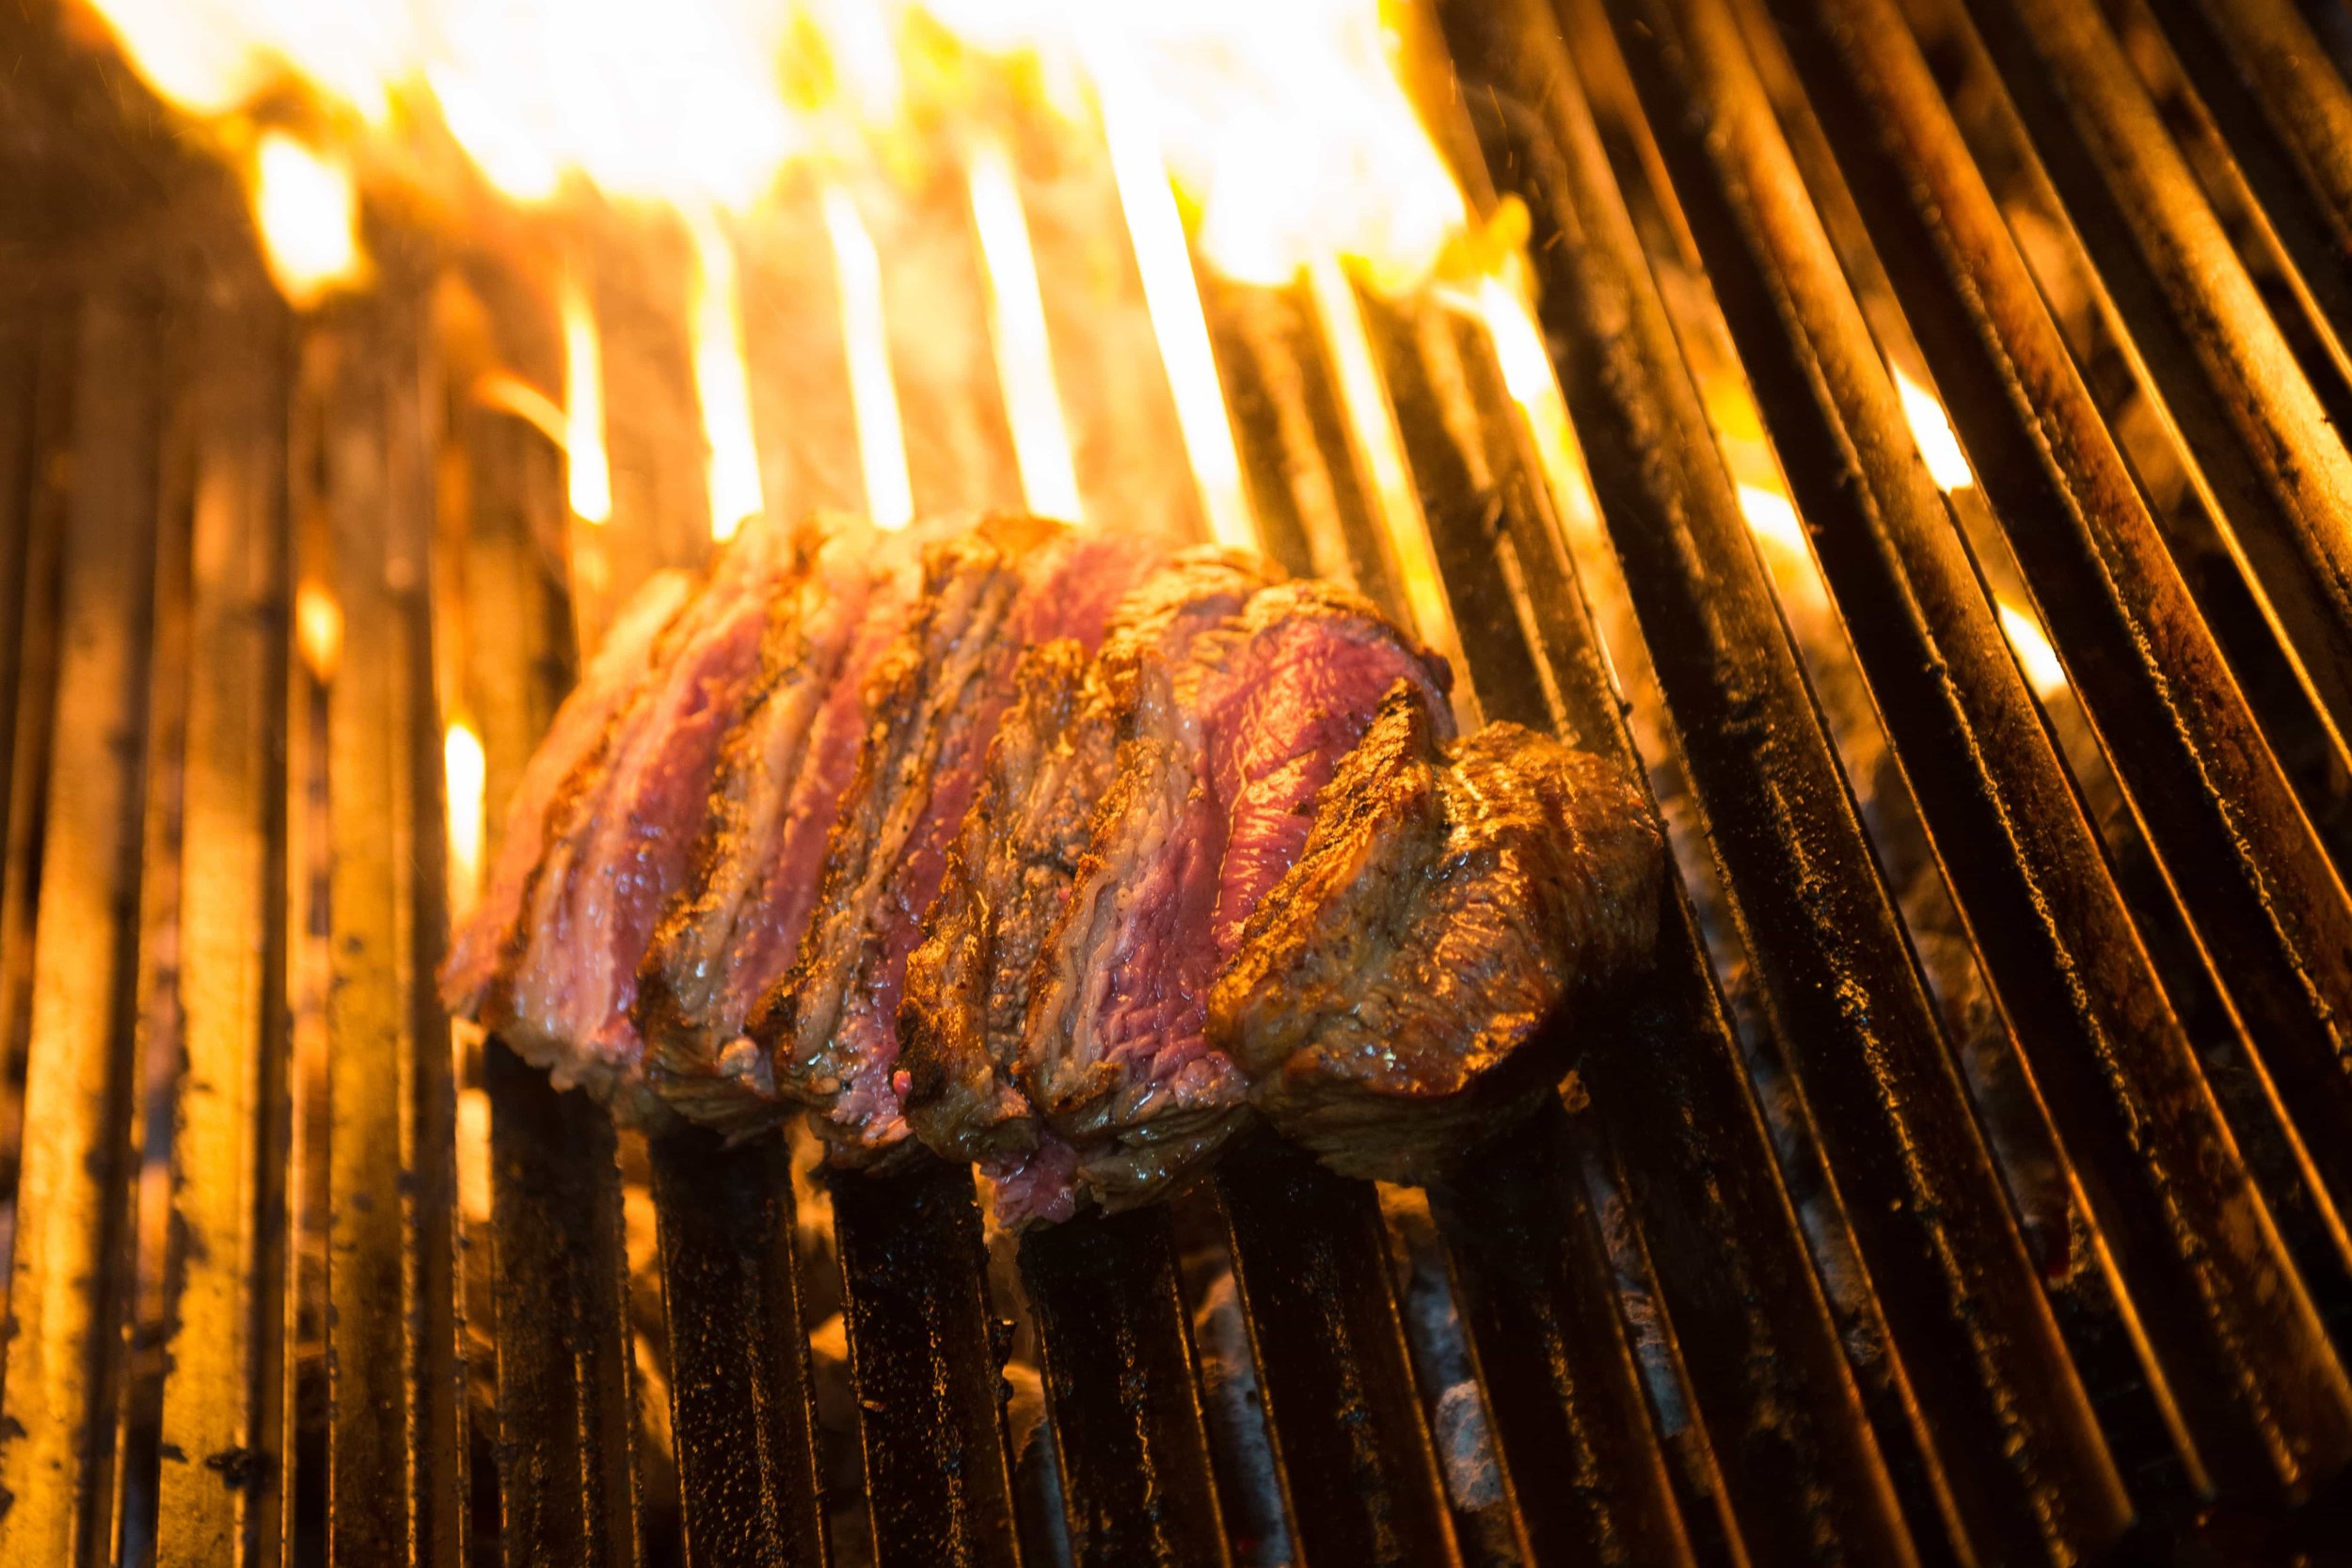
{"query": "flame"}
pixel 1025 360
pixel 308 216
pixel 318 630
pixel 721 381
pixel 1771 516
pixel 1283 122
pixel 2035 656
pixel 465 772
pixel 589 474
pixel 1933 429
pixel 1171 295
pixel 873 394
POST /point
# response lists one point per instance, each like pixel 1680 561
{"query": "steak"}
pixel 734 928
pixel 1210 804
pixel 484 943
pixel 1407 987
pixel 829 1028
pixel 1011 868
pixel 620 831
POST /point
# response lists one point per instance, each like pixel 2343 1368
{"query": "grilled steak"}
pixel 483 944
pixel 1210 805
pixel 1388 999
pixel 1056 853
pixel 1011 865
pixel 735 928
pixel 620 831
pixel 829 1028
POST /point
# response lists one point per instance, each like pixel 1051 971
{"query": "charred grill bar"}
pixel 1778 1280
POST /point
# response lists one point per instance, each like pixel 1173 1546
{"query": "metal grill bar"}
pixel 1137 1486
pixel 926 1350
pixel 2240 1346
pixel 67 1293
pixel 223 1394
pixel 395 1479
pixel 2005 1419
pixel 567 1476
pixel 1360 1478
pixel 2243 407
pixel 2242 857
pixel 742 1399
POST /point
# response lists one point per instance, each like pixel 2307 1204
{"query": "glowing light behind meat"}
pixel 873 392
pixel 1025 360
pixel 1173 296
pixel 308 216
pixel 1373 422
pixel 588 471
pixel 720 380
pixel 464 773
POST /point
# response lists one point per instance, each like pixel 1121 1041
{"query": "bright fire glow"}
pixel 309 216
pixel 318 630
pixel 721 381
pixel 2035 656
pixel 463 771
pixel 1173 298
pixel 1025 360
pixel 1771 516
pixel 1282 121
pixel 873 394
pixel 1383 450
pixel 1930 426
pixel 589 472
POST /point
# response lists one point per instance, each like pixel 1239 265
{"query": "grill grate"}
pixel 1966 1185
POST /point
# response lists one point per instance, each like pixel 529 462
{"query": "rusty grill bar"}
pixel 1966 1185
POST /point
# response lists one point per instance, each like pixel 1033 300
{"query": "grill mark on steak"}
pixel 482 942
pixel 1408 987
pixel 1017 853
pixel 619 839
pixel 1212 801
pixel 830 1029
pixel 735 928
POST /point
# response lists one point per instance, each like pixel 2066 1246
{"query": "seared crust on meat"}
pixel 967 986
pixel 1018 851
pixel 734 927
pixel 1407 988
pixel 831 1028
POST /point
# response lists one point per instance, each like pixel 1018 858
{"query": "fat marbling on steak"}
pixel 734 928
pixel 619 830
pixel 1013 863
pixel 1211 803
pixel 831 1028
pixel 1453 907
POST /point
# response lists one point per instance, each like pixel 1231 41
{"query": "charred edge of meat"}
pixel 1017 854
pixel 1410 987
pixel 772 768
pixel 484 944
pixel 1212 800
pixel 969 973
pixel 756 569
pixel 970 585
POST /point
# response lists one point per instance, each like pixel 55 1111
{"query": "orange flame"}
pixel 1283 121
pixel 1932 428
pixel 308 216
pixel 1025 360
pixel 2035 656
pixel 464 771
pixel 721 381
pixel 873 394
pixel 588 473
